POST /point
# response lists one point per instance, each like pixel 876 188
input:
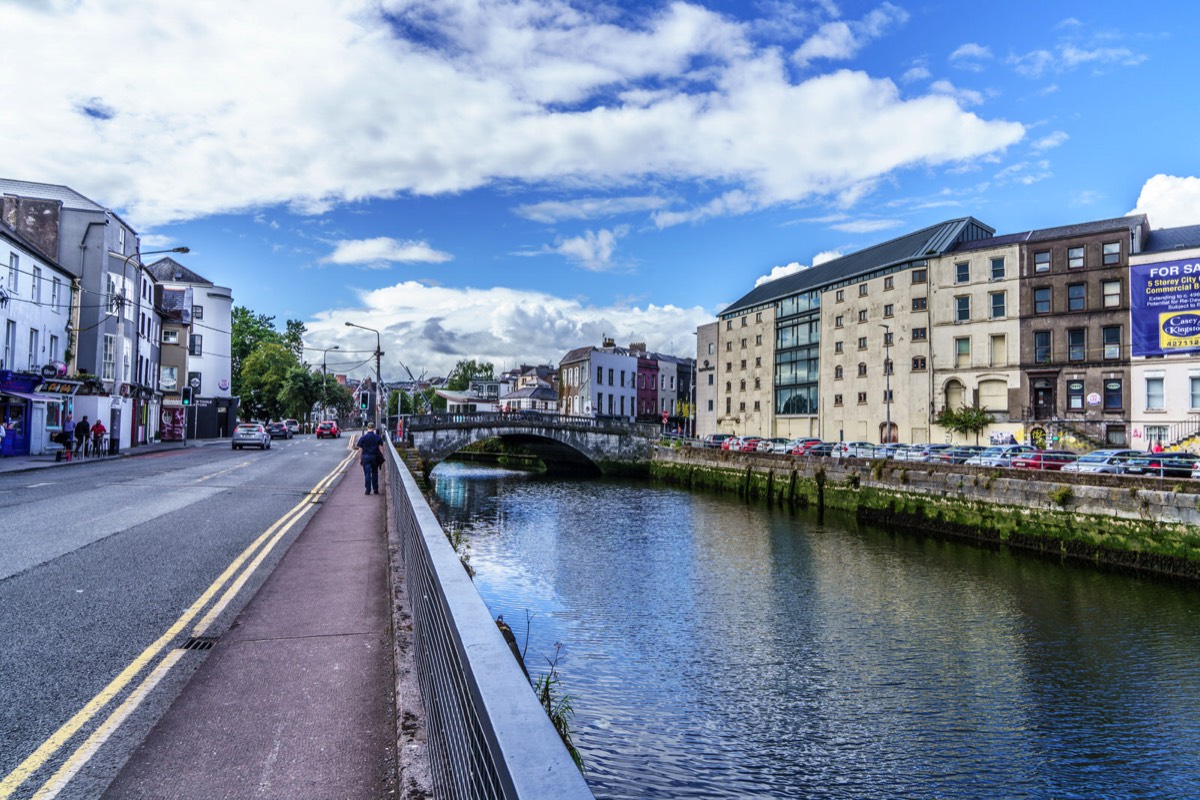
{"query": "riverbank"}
pixel 1144 525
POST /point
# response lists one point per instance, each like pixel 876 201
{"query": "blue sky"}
pixel 509 180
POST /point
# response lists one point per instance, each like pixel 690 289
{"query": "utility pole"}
pixel 378 369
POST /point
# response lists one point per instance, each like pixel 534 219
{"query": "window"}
pixel 10 343
pixel 838 321
pixel 962 352
pixel 862 369
pixel 56 293
pixel 840 295
pixel 1154 395
pixel 998 304
pixel 837 347
pixel 1041 261
pixel 168 379
pixel 888 368
pixel 1041 300
pixel 728 405
pixel 742 406
pixel 758 383
pixel 889 310
pixel 962 272
pixel 862 343
pixel 36 286
pixel 1112 253
pixel 862 290
pixel 1112 395
pixel 837 399
pixel 1112 342
pixel 1112 293
pixel 997 269
pixel 999 344
pixel 758 317
pixel 887 338
pixel 742 385
pixel 757 363
pixel 710 405
pixel 745 321
pixel 710 379
pixel 728 367
pixel 54 348
pixel 918 303
pixel 918 334
pixel 1041 347
pixel 838 373
pixel 728 386
pixel 962 309
pixel 728 324
pixel 1075 395
pixel 14 269
pixel 712 348
pixel 758 339
pixel 1075 257
pixel 197 312
pixel 918 363
pixel 756 405
pixel 918 276
pixel 1195 392
pixel 862 398
pixel 862 315
pixel 729 346
pixel 887 395
pixel 1076 297
pixel 109 370
pixel 1076 344
pixel 599 377
pixel 888 283
pixel 196 345
pixel 743 343
pixel 33 348
pixel 610 377
pixel 743 367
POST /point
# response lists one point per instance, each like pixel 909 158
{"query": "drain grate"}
pixel 200 643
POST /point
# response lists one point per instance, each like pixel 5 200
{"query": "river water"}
pixel 715 649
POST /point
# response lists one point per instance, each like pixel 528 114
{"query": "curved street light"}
pixel 378 374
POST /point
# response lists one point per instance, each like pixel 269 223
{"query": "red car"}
pixel 1044 459
pixel 328 428
pixel 803 446
pixel 750 444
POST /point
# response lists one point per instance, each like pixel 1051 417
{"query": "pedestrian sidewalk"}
pixel 51 459
pixel 297 699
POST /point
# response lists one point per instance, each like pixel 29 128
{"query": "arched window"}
pixel 955 395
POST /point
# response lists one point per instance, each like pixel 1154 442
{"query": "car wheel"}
pixel 267 446
pixel 235 447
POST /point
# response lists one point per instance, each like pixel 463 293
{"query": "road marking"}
pixel 57 740
pixel 39 485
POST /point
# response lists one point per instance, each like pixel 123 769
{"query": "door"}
pixel 1043 399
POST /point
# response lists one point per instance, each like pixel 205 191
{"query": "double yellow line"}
pixel 232 580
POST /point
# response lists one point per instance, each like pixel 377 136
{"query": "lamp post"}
pixel 887 376
pixel 119 355
pixel 378 375
pixel 324 383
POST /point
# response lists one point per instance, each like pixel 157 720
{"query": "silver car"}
pixel 1107 462
pixel 999 455
pixel 251 434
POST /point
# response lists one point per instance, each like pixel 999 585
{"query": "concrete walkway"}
pixel 297 700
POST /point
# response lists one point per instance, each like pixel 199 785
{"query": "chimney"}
pixel 609 342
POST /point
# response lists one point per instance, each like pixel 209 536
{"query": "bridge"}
pixel 565 444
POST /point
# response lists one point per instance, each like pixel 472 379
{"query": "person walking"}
pixel 68 437
pixel 98 433
pixel 82 429
pixel 371 444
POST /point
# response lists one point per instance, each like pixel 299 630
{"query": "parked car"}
pixel 251 434
pixel 1173 464
pixel 999 455
pixel 328 428
pixel 714 440
pixel 956 455
pixel 749 444
pixel 1044 459
pixel 800 447
pixel 1107 462
pixel 926 452
pixel 278 430
pixel 854 450
pixel 775 444
pixel 890 449
pixel 822 450
pixel 732 443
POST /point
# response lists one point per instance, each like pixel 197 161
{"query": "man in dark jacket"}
pixel 82 430
pixel 371 444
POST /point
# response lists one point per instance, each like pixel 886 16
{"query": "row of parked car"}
pixel 1172 464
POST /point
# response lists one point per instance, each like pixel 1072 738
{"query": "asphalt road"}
pixel 99 566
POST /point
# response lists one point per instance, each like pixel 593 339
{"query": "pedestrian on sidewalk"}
pixel 98 432
pixel 371 444
pixel 68 437
pixel 81 435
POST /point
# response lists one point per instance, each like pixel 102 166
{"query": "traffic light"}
pixel 364 401
pixel 187 395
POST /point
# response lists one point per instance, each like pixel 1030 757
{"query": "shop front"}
pixel 32 418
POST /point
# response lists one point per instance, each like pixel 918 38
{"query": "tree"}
pixel 468 370
pixel 293 339
pixel 966 420
pixel 301 390
pixel 247 331
pixel 263 375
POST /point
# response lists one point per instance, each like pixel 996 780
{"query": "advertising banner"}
pixel 171 429
pixel 1165 307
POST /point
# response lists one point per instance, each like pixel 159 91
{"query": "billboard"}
pixel 1164 299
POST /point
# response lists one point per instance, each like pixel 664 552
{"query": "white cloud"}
pixel 965 97
pixel 552 211
pixel 728 204
pixel 593 250
pixel 826 255
pixel 840 40
pixel 317 104
pixel 918 73
pixel 432 327
pixel 380 250
pixel 970 57
pixel 1066 57
pixel 781 272
pixel 867 225
pixel 1170 201
pixel 1049 141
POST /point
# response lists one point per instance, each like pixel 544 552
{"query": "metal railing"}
pixel 424 422
pixel 488 735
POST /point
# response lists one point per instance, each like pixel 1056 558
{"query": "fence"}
pixel 488 735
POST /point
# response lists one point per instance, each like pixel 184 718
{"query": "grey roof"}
pixel 532 393
pixel 18 238
pixel 1166 239
pixel 994 241
pixel 168 270
pixel 1087 228
pixel 924 243
pixel 49 191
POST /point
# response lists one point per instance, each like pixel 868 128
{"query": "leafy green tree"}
pixel 293 338
pixel 301 390
pixel 247 331
pixel 467 370
pixel 966 420
pixel 263 374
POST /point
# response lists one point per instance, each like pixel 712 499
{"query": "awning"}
pixel 35 397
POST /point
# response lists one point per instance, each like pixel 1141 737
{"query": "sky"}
pixel 506 180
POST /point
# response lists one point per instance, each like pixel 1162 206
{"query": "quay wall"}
pixel 1149 525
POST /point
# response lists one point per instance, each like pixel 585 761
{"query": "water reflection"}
pixel 719 650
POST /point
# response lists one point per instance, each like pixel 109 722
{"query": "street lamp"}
pixel 887 376
pixel 119 355
pixel 324 382
pixel 378 374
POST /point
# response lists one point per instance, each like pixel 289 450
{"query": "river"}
pixel 717 649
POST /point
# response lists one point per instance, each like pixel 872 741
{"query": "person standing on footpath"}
pixel 371 444
pixel 82 429
pixel 68 437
